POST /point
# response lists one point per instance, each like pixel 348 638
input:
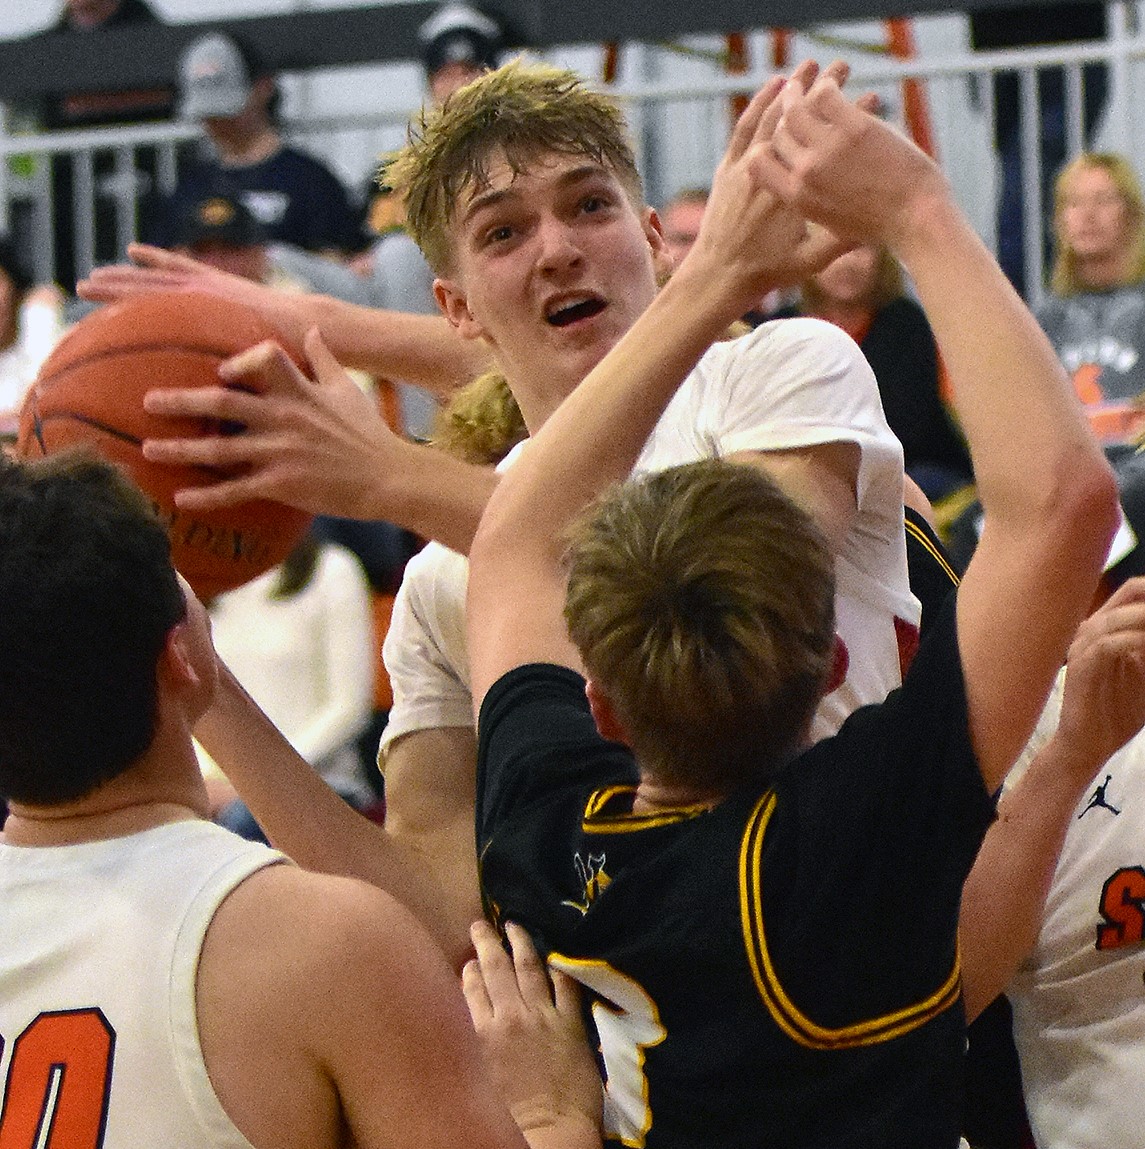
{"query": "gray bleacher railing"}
pixel 355 139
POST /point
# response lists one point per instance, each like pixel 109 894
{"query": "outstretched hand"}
pixel 531 1032
pixel 1103 702
pixel 311 444
pixel 753 236
pixel 840 166
pixel 157 269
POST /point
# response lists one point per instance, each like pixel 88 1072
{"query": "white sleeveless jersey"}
pixel 1079 999
pixel 790 384
pixel 99 1045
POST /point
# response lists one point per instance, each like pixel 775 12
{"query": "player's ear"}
pixel 604 715
pixel 187 662
pixel 662 260
pixel 454 305
pixel 840 662
pixel 177 659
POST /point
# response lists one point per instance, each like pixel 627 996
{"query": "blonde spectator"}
pixel 1099 222
pixel 1095 314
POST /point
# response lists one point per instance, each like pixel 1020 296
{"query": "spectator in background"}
pixel 1095 318
pixel 863 293
pixel 69 109
pixel 31 322
pixel 1095 314
pixel 680 220
pixel 295 198
pixel 220 230
pixel 1032 25
pixel 458 43
pixel 300 640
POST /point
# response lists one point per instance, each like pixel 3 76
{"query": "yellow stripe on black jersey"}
pixel 927 543
pixel 786 1015
pixel 597 821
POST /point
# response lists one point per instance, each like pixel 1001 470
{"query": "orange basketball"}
pixel 90 390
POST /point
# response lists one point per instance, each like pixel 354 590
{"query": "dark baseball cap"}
pixel 218 218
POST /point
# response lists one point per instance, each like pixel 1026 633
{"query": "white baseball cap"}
pixel 214 79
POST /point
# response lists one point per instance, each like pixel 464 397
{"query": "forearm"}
pixel 413 348
pixel 431 493
pixel 301 815
pixel 1049 497
pixel 1003 900
pixel 421 349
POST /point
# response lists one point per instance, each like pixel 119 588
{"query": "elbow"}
pixel 1070 506
pixel 1092 507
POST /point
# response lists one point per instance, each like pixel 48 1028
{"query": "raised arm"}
pixel 747 244
pixel 303 816
pixel 1102 708
pixel 1048 494
pixel 420 349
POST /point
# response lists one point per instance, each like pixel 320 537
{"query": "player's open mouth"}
pixel 569 313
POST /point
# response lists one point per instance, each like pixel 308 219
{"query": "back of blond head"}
pixel 481 423
pixel 701 600
pixel 521 112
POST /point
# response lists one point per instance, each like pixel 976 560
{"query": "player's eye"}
pixel 500 232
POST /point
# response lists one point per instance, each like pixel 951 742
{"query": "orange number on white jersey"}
pixel 58 1084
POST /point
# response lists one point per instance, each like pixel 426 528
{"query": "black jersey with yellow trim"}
pixel 780 969
pixel 931 570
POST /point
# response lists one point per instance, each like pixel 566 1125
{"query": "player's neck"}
pixel 35 826
pixel 148 794
pixel 537 403
pixel 653 796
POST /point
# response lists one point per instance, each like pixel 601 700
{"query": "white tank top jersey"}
pixel 1079 999
pixel 789 385
pixel 99 1044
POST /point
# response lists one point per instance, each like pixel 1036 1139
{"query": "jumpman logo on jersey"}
pixel 593 878
pixel 1099 799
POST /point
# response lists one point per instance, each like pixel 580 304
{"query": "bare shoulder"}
pixel 307 985
pixel 304 919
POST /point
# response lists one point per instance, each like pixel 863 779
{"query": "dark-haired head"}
pixel 87 598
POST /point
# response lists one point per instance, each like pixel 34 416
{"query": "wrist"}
pixel 705 296
pixel 925 224
pixel 1064 769
pixel 546 1126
